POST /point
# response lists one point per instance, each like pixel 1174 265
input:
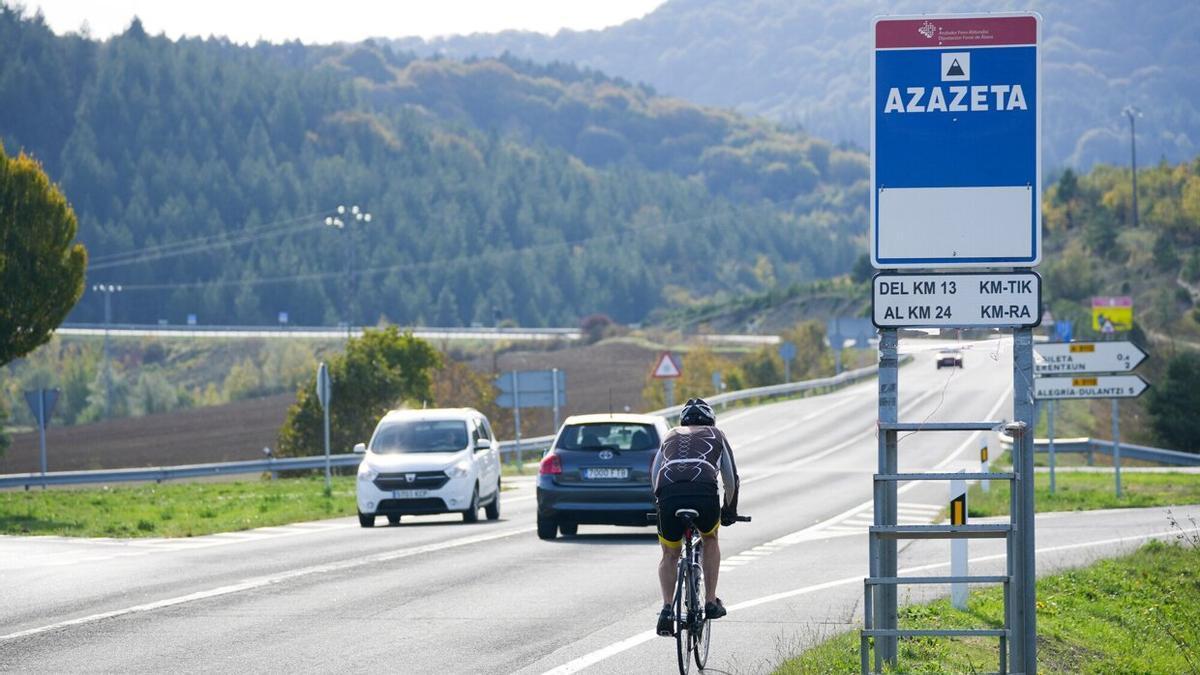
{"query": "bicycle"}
pixel 692 633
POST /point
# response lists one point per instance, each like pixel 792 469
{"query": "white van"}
pixel 441 460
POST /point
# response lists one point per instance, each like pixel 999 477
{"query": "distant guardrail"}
pixel 314 332
pixel 510 447
pixel 1091 446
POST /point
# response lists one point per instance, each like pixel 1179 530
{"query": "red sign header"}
pixel 934 32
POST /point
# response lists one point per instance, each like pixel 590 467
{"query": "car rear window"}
pixel 608 436
pixel 420 436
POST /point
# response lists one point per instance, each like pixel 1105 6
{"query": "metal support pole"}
pixel 107 359
pixel 1050 431
pixel 1116 440
pixel 1024 645
pixel 669 392
pixel 42 426
pixel 554 387
pixel 517 416
pixel 886 616
pixel 328 474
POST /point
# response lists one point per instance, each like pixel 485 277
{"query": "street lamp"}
pixel 107 290
pixel 1132 112
pixel 352 214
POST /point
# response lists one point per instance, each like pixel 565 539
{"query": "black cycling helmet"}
pixel 697 413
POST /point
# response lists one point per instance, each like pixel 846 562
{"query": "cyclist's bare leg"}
pixel 667 571
pixel 712 565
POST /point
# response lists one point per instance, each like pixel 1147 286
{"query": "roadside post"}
pixel 531 389
pixel 984 485
pixel 667 369
pixel 955 230
pixel 41 404
pixel 325 396
pixel 1050 433
pixel 1075 370
pixel 958 547
pixel 787 352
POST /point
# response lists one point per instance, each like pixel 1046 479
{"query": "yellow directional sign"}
pixel 1112 314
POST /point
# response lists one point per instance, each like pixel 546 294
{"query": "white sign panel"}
pixel 1089 386
pixel 963 300
pixel 1066 358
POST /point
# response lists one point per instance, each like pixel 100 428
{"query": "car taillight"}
pixel 550 465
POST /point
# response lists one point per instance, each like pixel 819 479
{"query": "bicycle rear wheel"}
pixel 683 637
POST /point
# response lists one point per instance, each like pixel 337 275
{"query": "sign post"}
pixel 958 547
pixel 325 396
pixel 532 389
pixel 955 185
pixel 787 352
pixel 41 404
pixel 667 370
pixel 1082 360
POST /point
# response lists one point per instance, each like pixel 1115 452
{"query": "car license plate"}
pixel 409 494
pixel 605 472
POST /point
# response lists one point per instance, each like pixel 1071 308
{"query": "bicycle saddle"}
pixel 689 513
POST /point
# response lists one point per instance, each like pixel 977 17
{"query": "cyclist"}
pixel 684 475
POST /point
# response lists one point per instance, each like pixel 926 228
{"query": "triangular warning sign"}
pixel 955 70
pixel 666 367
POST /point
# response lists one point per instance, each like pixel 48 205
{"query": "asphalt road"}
pixel 436 596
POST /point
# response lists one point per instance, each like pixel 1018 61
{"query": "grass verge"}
pixel 174 509
pixel 1086 491
pixel 1136 614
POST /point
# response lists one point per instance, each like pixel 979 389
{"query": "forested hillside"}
pixel 807 62
pixel 202 173
pixel 1093 247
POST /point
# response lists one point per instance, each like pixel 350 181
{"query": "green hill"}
pixel 806 62
pixel 202 172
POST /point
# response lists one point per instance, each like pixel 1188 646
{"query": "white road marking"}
pixel 260 582
pixel 631 642
pixel 808 533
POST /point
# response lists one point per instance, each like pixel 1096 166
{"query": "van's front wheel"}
pixel 471 515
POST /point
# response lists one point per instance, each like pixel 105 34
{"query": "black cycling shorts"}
pixel 701 497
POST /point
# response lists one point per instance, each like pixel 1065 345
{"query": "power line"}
pixel 412 266
pixel 206 243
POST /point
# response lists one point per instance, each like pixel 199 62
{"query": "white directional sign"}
pixel 960 300
pixel 1089 386
pixel 1063 358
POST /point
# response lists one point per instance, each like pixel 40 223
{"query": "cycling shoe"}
pixel 666 622
pixel 714 610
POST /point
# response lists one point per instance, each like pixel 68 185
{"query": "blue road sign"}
pixel 787 350
pixel 1064 331
pixel 955 142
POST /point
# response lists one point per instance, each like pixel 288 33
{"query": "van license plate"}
pixel 605 473
pixel 409 494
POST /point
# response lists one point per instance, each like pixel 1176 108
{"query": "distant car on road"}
pixel 441 460
pixel 951 358
pixel 598 473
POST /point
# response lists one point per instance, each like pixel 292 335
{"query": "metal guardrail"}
pixel 1091 446
pixel 510 447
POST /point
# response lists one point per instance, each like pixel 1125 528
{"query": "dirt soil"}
pixel 221 433
pixel 605 376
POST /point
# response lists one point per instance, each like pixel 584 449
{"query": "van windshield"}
pixel 609 436
pixel 420 436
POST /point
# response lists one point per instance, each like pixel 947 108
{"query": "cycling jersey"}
pixel 692 458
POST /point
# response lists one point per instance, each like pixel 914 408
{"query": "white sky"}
pixel 323 21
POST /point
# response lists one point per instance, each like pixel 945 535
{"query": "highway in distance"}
pixel 434 595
